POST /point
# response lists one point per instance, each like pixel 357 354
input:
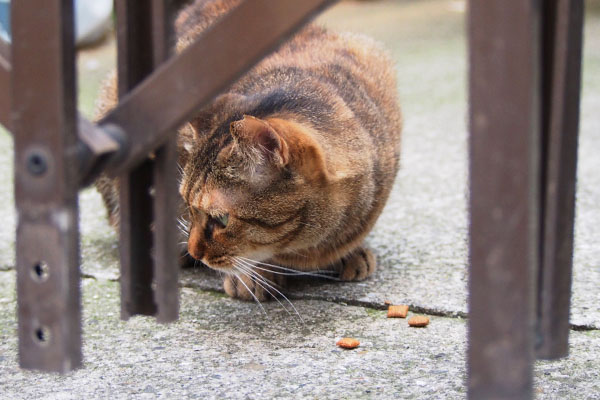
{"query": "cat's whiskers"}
pixel 297 273
pixel 187 253
pixel 242 265
pixel 252 275
pixel 297 253
pixel 288 271
pixel 183 227
pixel 239 279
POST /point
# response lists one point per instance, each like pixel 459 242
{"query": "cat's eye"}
pixel 223 220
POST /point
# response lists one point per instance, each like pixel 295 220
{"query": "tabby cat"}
pixel 290 168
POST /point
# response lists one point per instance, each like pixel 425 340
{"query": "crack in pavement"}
pixel 341 300
pixel 381 306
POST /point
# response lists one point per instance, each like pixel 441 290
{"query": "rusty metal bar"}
pixel 504 199
pixel 135 62
pixel 166 202
pixel 163 12
pixel 45 125
pixel 96 141
pixel 221 55
pixel 561 60
pixel 166 197
pixel 135 241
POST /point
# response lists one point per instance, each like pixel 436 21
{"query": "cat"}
pixel 289 169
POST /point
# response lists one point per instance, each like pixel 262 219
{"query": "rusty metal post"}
pixel 561 62
pixel 148 256
pixel 44 121
pixel 135 62
pixel 166 196
pixel 504 200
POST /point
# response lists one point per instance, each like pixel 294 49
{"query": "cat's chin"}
pixel 227 270
pixel 219 266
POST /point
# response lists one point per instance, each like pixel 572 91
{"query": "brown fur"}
pixel 300 154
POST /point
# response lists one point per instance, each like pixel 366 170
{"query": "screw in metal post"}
pixel 36 163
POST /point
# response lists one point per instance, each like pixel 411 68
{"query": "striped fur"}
pixel 300 153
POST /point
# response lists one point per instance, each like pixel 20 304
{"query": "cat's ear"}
pixel 186 141
pixel 186 138
pixel 194 132
pixel 260 136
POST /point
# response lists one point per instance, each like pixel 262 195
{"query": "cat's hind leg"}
pixel 357 265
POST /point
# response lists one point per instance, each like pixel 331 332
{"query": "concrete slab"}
pixel 421 237
pixel 223 347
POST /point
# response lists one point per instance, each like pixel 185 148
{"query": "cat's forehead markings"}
pixel 213 199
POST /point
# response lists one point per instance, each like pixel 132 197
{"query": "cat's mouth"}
pixel 220 264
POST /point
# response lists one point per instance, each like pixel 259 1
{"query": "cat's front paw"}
pixel 357 265
pixel 261 287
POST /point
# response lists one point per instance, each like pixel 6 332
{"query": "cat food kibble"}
pixel 348 343
pixel 397 311
pixel 418 321
pixel 387 302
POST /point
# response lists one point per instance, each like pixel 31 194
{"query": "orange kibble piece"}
pixel 387 302
pixel 397 311
pixel 348 343
pixel 418 321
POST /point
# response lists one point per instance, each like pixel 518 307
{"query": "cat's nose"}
pixel 196 250
pixel 195 246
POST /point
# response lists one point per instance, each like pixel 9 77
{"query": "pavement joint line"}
pixel 343 301
pixel 583 328
pixel 383 307
pixel 357 303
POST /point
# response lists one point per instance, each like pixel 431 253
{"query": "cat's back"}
pixel 354 66
pixel 343 84
pixel 197 16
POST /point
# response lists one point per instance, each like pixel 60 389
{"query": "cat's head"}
pixel 250 190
